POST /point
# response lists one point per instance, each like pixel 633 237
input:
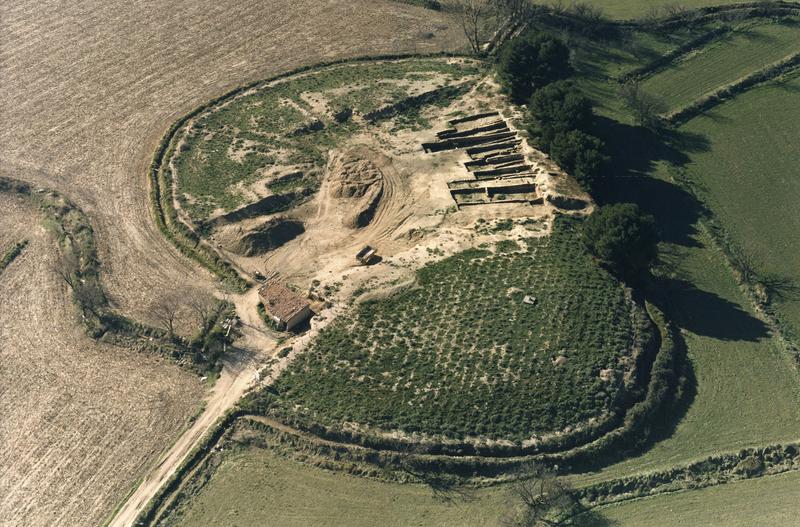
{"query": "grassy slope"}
pixel 769 502
pixel 751 178
pixel 626 9
pixel 255 486
pixel 738 54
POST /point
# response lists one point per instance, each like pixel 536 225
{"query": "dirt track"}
pixel 80 420
pixel 88 90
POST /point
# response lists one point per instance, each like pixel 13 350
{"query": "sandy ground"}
pixel 80 420
pixel 88 90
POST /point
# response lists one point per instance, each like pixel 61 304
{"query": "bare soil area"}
pixel 89 88
pixel 81 420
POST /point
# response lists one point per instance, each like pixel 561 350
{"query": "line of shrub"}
pixel 715 470
pixel 12 253
pixel 707 102
pixel 155 507
pixel 741 11
pixel 160 178
pixel 664 391
pixel 662 62
pixel 80 269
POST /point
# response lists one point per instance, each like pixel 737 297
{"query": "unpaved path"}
pixel 239 373
pixel 88 90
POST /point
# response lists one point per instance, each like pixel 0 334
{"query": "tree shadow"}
pixel 635 153
pixel 705 313
pixel 587 517
pixel 442 487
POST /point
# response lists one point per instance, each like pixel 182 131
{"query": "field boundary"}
pixel 12 253
pixel 663 62
pixel 762 9
pixel 154 507
pixel 729 91
pixel 748 463
pixel 80 269
pixel 160 180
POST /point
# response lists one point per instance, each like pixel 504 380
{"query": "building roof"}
pixel 280 301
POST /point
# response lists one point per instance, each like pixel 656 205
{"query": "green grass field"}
pixel 723 152
pixel 627 9
pixel 255 487
pixel 737 54
pixel 751 180
pixel 292 123
pixel 462 355
pixel 772 501
pixel 747 392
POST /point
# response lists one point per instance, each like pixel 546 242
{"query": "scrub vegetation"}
pixel 461 354
pixel 294 123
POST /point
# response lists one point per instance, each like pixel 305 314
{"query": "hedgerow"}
pixel 12 253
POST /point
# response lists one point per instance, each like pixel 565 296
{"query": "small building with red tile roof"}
pixel 285 307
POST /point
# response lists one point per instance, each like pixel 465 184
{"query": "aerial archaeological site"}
pixel 462 263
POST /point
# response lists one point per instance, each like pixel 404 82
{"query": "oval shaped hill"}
pixel 461 354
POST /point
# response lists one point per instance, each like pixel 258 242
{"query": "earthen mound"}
pixel 355 177
pixel 263 238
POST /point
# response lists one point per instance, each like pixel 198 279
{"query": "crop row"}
pixel 461 354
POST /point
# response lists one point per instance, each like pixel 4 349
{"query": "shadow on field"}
pixel 591 518
pixel 635 153
pixel 707 314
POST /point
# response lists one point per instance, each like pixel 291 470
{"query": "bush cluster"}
pixel 12 253
pixel 622 238
pixel 462 355
pixel 530 62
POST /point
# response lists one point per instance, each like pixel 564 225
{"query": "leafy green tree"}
pixel 556 109
pixel 623 238
pixel 581 155
pixel 531 61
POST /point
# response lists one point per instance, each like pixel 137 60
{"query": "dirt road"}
pixel 238 374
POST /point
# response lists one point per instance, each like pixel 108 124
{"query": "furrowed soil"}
pixel 81 420
pixel 110 77
pixel 89 89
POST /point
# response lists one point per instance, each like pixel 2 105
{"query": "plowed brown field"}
pixel 80 420
pixel 88 89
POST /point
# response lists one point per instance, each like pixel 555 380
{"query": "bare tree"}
pixel 514 9
pixel 90 296
pixel 165 311
pixel 646 108
pixel 66 266
pixel 543 498
pixel 474 17
pixel 204 307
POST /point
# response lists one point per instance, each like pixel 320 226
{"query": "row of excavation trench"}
pixel 497 166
